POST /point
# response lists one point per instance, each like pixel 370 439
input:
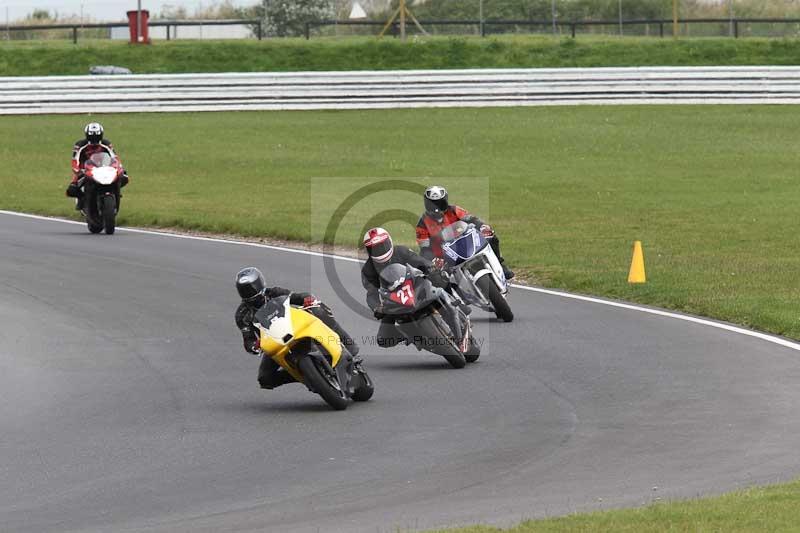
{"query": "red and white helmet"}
pixel 379 245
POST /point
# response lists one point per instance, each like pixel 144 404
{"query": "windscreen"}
pixel 392 276
pixel 453 231
pixel 270 310
pixel 100 159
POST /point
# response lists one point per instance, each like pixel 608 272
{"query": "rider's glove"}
pixel 487 231
pixel 252 347
pixel 438 263
pixel 310 301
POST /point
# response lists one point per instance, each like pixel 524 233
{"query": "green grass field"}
pixel 762 509
pixel 32 58
pixel 712 192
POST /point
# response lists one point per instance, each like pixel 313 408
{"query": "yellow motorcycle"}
pixel 311 352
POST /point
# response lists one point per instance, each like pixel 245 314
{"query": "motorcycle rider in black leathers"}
pixel 381 253
pixel 254 293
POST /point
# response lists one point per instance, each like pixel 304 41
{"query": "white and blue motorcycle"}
pixel 477 274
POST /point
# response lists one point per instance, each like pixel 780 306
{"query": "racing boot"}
pixel 74 191
pixel 275 380
pixel 507 272
pixel 271 376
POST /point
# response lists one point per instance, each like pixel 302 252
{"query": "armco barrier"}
pixel 397 89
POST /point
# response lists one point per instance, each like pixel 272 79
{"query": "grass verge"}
pixel 711 191
pixel 41 58
pixel 759 509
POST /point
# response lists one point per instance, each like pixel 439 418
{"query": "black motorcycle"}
pixel 426 316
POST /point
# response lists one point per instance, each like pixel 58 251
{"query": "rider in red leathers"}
pixel 81 152
pixel 440 214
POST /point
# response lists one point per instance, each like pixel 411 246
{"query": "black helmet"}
pixel 250 284
pixel 94 132
pixel 436 202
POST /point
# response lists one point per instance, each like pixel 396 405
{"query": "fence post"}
pixel 308 31
pixel 74 35
pixel 735 29
pixel 260 35
pixel 483 29
pixel 661 29
pixel 572 28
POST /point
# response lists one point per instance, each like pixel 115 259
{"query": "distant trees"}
pixel 43 17
pixel 539 9
pixel 213 11
pixel 593 9
pixel 287 18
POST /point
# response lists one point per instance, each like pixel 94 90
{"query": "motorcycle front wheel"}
pixel 323 382
pixel 492 293
pixel 437 341
pixel 109 214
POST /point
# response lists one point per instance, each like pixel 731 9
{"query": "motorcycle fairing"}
pixel 282 327
pixel 464 247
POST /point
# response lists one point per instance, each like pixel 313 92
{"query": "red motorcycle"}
pixel 100 182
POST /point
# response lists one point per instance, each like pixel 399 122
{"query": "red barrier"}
pixel 133 25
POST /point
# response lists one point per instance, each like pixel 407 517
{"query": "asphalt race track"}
pixel 128 403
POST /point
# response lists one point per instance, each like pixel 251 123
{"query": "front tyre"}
pixel 94 228
pixel 438 341
pixel 499 303
pixel 322 382
pixel 109 214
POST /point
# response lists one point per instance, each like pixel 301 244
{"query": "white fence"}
pixel 242 31
pixel 397 89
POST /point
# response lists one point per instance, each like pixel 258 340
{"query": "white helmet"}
pixel 379 245
pixel 94 132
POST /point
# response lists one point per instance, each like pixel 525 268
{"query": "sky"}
pixel 108 10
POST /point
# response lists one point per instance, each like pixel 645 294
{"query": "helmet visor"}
pixel 380 249
pixel 433 207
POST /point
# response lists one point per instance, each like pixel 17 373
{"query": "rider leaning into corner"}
pixel 254 293
pixel 381 252
pixel 440 214
pixel 92 143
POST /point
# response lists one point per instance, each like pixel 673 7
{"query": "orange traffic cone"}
pixel 636 274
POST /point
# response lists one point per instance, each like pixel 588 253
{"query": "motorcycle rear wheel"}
pixel 315 375
pixel 364 391
pixel 473 351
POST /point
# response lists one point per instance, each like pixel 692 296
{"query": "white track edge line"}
pixel 786 343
